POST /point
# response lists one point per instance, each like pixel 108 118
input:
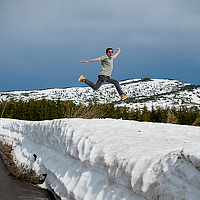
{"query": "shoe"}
pixel 124 96
pixel 81 79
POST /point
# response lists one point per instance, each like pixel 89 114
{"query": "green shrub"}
pixel 37 110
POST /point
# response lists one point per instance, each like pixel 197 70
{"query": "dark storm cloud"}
pixel 46 39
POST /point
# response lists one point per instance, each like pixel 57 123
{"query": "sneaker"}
pixel 124 96
pixel 81 79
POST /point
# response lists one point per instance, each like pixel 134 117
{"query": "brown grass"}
pixel 197 122
pixel 22 173
pixel 86 112
pixel 171 118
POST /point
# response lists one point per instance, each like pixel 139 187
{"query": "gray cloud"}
pixel 39 34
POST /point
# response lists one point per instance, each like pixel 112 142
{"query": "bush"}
pixel 37 110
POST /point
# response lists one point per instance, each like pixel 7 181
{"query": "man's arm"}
pixel 116 54
pixel 92 60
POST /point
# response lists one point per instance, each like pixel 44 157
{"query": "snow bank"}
pixel 109 159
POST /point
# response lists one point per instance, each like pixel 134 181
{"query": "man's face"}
pixel 110 53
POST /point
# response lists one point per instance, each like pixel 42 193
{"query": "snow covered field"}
pixel 108 159
pixel 148 92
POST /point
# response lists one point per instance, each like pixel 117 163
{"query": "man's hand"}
pixel 118 49
pixel 83 61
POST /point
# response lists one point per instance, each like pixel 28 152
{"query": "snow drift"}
pixel 109 159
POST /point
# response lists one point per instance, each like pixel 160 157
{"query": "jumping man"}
pixel 105 73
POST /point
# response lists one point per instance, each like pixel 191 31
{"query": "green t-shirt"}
pixel 107 66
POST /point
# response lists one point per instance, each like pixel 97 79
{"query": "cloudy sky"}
pixel 42 41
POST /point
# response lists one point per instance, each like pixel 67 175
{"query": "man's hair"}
pixel 108 49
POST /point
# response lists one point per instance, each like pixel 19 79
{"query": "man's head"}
pixel 109 52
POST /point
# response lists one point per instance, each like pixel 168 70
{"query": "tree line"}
pixel 37 110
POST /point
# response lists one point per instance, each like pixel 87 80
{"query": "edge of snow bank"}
pixel 81 162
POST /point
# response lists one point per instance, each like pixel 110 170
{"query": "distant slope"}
pixel 157 92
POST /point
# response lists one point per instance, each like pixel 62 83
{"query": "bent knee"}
pixel 95 89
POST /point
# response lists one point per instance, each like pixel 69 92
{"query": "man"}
pixel 105 73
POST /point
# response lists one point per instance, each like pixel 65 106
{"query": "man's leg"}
pixel 116 83
pixel 101 80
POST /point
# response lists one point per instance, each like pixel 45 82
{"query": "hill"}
pixel 146 91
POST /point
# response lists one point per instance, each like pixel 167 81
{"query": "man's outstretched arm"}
pixel 92 60
pixel 116 54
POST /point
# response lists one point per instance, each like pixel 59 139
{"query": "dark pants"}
pixel 102 79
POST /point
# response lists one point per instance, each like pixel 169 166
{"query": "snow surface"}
pixel 108 159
